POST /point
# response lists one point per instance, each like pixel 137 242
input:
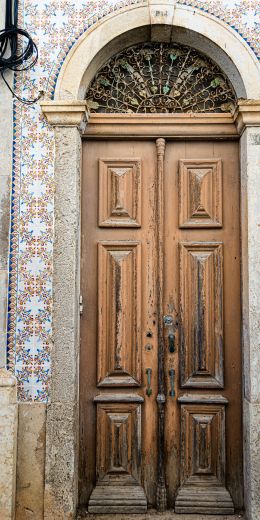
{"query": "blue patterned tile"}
pixel 56 25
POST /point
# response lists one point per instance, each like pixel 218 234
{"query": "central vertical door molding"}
pixel 161 500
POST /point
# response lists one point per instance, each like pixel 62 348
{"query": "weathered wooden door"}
pixel 160 361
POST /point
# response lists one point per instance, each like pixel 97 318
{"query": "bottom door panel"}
pixel 119 442
pixel 203 457
pixel 118 460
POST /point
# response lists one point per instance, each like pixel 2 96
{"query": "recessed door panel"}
pixel 120 192
pixel 119 442
pixel 200 193
pixel 119 311
pixel 203 457
pixel 201 314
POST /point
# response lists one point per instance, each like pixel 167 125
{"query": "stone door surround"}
pixel 68 115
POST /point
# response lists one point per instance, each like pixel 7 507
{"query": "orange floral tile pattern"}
pixel 55 25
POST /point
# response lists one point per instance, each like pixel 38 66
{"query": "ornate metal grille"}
pixel 160 77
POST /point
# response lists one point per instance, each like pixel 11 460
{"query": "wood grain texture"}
pixel 117 499
pixel 201 304
pixel 192 500
pixel 119 310
pixel 120 192
pixel 192 294
pixel 118 398
pixel 119 322
pixel 203 443
pixel 170 126
pixel 118 443
pixel 202 398
pixel 203 460
pixel 228 236
pixel 200 193
pixel 161 499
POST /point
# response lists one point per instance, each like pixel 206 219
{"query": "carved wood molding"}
pixel 161 485
pixel 118 398
pixel 119 325
pixel 202 399
pixel 118 466
pixel 203 460
pixel 120 192
pixel 201 275
pixel 170 126
pixel 74 113
pixel 65 113
pixel 200 188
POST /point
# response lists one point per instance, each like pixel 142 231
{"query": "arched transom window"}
pixel 160 77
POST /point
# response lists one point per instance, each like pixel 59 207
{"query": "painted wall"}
pixel 55 25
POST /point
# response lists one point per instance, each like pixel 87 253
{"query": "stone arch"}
pixel 161 22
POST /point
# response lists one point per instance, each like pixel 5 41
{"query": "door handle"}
pixel 171 339
pixel 171 326
pixel 149 375
pixel 172 379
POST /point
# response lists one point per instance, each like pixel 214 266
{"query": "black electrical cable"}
pixel 18 52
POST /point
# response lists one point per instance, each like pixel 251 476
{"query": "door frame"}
pixel 69 120
pixel 106 130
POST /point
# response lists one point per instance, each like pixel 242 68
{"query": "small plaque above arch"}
pixel 160 78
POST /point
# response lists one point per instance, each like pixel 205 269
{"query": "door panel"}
pixel 199 259
pixel 201 315
pixel 118 327
pixel 202 296
pixel 200 193
pixel 119 311
pixel 120 192
pixel 118 442
pixel 203 458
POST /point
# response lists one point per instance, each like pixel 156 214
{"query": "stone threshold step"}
pixel 154 515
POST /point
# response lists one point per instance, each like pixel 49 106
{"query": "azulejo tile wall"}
pixel 55 25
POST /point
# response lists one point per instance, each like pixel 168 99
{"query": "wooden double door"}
pixel 160 360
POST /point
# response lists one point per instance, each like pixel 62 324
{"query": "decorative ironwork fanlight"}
pixel 160 77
